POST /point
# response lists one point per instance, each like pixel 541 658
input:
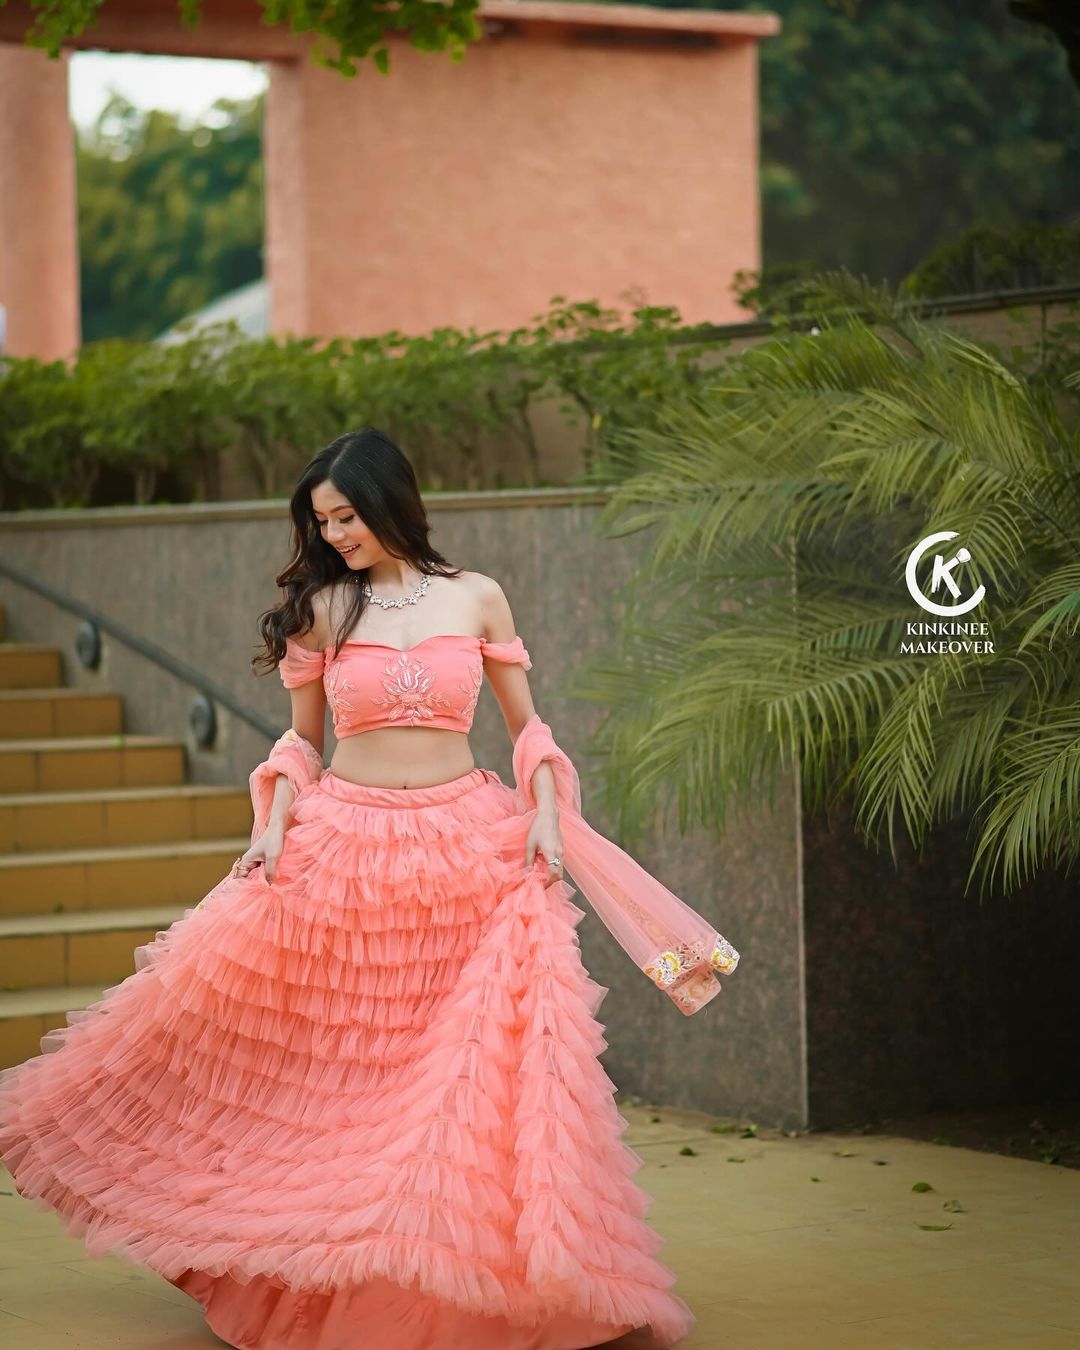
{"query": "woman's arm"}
pixel 510 685
pixel 679 949
pixel 284 796
pixel 511 688
pixel 544 787
pixel 297 756
pixel 309 721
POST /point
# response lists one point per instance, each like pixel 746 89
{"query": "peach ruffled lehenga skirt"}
pixel 360 1106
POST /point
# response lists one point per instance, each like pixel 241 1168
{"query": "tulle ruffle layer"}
pixel 369 1089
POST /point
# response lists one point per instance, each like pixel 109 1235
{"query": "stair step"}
pixel 58 763
pixel 28 713
pixel 150 792
pixel 41 950
pixel 96 921
pixel 113 740
pixel 25 1016
pixel 30 665
pixel 109 817
pixel 134 832
pixel 59 998
pixel 95 879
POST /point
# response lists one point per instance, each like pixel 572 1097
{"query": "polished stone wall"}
pixel 920 997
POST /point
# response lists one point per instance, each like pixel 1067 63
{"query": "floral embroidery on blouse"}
pixel 336 683
pixel 472 690
pixel 408 682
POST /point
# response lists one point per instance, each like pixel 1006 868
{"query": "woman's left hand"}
pixel 545 839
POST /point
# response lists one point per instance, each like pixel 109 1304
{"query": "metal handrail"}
pixel 158 655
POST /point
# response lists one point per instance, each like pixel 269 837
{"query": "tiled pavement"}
pixel 811 1243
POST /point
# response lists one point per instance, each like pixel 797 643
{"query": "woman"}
pixel 352 1098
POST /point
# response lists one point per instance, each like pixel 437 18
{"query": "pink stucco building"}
pixel 592 151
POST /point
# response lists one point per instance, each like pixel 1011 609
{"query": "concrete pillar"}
pixel 285 261
pixel 469 194
pixel 39 246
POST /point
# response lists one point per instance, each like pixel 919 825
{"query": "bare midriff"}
pixel 403 757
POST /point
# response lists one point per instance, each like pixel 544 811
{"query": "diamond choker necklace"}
pixel 404 600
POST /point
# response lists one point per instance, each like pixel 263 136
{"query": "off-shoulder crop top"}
pixel 435 683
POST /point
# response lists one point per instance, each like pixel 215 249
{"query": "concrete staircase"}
pixel 102 843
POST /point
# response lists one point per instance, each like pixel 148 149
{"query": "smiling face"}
pixel 342 528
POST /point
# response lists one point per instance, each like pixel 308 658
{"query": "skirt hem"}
pixel 348 1091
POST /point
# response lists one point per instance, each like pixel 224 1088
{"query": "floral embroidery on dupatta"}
pixel 684 972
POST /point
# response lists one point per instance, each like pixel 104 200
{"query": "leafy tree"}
pixel 157 410
pixel 170 217
pixel 987 259
pixel 762 635
pixel 164 413
pixel 282 393
pixel 45 409
pixel 889 126
pixel 358 28
pixel 615 374
pixel 1060 17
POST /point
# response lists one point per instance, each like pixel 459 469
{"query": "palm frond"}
pixel 762 628
pixel 1055 601
pixel 1030 816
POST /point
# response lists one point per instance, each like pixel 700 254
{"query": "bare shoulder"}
pixel 485 590
pixel 324 604
pixel 323 600
pixel 493 605
pixel 479 586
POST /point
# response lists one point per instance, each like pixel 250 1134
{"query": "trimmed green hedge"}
pixel 136 422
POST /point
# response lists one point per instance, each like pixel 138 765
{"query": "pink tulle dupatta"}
pixel 679 950
pixel 291 755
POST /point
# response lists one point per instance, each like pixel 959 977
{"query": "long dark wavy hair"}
pixel 376 477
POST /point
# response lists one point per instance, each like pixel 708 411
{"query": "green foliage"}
pixel 762 635
pixel 1059 17
pixel 279 394
pixel 140 408
pixel 454 398
pixel 630 374
pixel 459 401
pixel 986 258
pixel 758 290
pixel 44 410
pixel 170 217
pixel 890 126
pixel 356 28
pixel 982 259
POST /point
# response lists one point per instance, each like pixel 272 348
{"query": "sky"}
pixel 187 86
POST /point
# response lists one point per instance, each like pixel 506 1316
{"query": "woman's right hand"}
pixel 265 850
